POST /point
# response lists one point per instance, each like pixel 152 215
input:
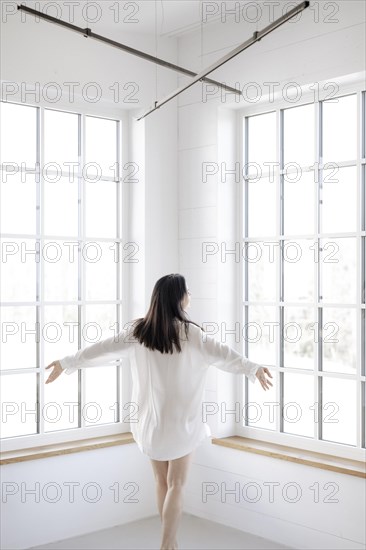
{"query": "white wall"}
pixel 153 204
pixel 295 505
pixel 305 52
pixel 52 499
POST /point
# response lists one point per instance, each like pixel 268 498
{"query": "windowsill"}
pixel 282 452
pixel 309 458
pixel 45 451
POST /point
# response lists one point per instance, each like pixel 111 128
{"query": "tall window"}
pixel 61 281
pixel 304 273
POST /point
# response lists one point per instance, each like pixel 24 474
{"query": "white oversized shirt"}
pixel 167 388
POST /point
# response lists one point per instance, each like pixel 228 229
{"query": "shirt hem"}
pixel 150 454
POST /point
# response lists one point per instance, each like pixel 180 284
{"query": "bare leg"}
pixel 160 468
pixel 173 503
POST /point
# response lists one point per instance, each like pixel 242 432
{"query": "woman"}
pixel 169 357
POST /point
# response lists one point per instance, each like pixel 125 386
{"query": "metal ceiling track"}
pixel 258 35
pixel 89 34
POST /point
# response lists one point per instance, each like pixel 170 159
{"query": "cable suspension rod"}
pixel 258 35
pixel 89 34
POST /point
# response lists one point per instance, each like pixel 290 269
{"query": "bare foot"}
pixel 175 546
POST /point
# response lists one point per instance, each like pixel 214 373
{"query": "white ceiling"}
pixel 166 17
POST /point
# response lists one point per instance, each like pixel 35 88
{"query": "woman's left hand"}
pixel 57 370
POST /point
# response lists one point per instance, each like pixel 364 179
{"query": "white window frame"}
pixel 345 87
pixel 105 111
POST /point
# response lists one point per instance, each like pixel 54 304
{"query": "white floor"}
pixel 194 534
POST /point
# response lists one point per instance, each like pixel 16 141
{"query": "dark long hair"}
pixel 159 329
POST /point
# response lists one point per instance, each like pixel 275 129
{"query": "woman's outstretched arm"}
pixel 228 359
pixel 105 351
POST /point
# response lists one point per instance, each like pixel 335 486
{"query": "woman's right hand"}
pixel 261 375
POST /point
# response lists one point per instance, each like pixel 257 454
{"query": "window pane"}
pixel 262 407
pixel 101 147
pixel 19 404
pixel 363 345
pixel 262 334
pixel 100 270
pixel 338 270
pixel 363 275
pixel 18 342
pixel 363 413
pixel 339 340
pixel 299 197
pixel 101 396
pixel 261 142
pixel 61 139
pixel 299 127
pixel 100 209
pixel 18 134
pixel 18 203
pixel 329 266
pixel 262 259
pixel 60 332
pixel 102 319
pixel 340 129
pixel 363 191
pixel 339 410
pixel 339 208
pixel 61 207
pixel 101 382
pixel 24 343
pixel 18 270
pixel 261 207
pixel 299 337
pixel 60 338
pixel 298 267
pixel 298 412
pixel 60 261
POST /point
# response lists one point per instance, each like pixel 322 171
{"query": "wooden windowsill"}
pixel 309 458
pixel 45 451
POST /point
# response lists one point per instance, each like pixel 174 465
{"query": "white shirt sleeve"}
pixel 105 351
pixel 226 358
